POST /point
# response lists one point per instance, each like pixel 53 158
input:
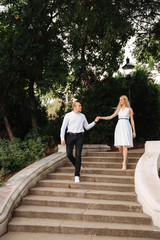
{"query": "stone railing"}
pixel 147 181
pixel 18 186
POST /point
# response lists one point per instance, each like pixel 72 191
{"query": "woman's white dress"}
pixel 123 135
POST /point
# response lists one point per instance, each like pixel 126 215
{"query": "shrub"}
pixel 11 155
pixel 17 154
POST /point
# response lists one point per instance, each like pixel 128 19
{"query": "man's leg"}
pixel 70 142
pixel 79 145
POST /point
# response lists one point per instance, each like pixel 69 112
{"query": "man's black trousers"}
pixel 77 141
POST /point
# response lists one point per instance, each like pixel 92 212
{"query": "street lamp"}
pixel 128 68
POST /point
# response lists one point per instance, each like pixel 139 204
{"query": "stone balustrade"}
pixel 147 181
pixel 18 186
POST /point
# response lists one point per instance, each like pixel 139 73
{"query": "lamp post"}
pixel 128 68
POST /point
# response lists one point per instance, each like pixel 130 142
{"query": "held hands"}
pixel 97 119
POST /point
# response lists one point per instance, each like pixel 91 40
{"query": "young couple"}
pixel 75 122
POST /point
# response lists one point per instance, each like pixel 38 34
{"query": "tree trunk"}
pixel 85 74
pixel 32 105
pixel 6 122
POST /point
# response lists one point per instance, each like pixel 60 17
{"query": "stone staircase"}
pixel 102 207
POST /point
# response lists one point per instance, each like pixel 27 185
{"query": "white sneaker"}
pixel 77 179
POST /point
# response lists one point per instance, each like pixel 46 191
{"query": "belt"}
pixel 75 134
pixel 123 118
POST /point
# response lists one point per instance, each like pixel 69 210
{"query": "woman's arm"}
pixel 132 123
pixel 111 116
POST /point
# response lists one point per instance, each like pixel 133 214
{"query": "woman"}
pixel 123 135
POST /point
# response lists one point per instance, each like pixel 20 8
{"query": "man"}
pixel 75 122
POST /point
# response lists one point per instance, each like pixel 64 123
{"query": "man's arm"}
pixel 63 129
pixel 87 125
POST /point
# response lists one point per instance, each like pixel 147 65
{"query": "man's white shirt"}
pixel 75 123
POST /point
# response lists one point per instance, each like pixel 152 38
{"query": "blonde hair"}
pixel 126 102
pixel 74 103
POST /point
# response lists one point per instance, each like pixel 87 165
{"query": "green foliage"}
pixel 18 113
pixel 42 41
pixel 31 61
pixel 17 154
pixel 52 129
pixel 97 31
pixel 11 155
pixel 145 103
pixel 148 46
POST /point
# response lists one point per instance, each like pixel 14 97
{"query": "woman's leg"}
pixel 125 157
pixel 120 149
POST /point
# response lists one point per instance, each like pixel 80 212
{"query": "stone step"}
pixel 92 178
pixel 108 171
pixel 86 185
pixel 80 227
pixel 102 207
pixel 26 211
pixel 104 165
pixel 111 205
pixel 56 236
pixel 83 193
pixel 113 154
pixel 109 159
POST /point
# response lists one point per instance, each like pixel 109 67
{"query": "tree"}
pixel 148 48
pixel 42 40
pixel 145 102
pixel 32 45
pixel 94 37
pixel 7 74
pixel 97 31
